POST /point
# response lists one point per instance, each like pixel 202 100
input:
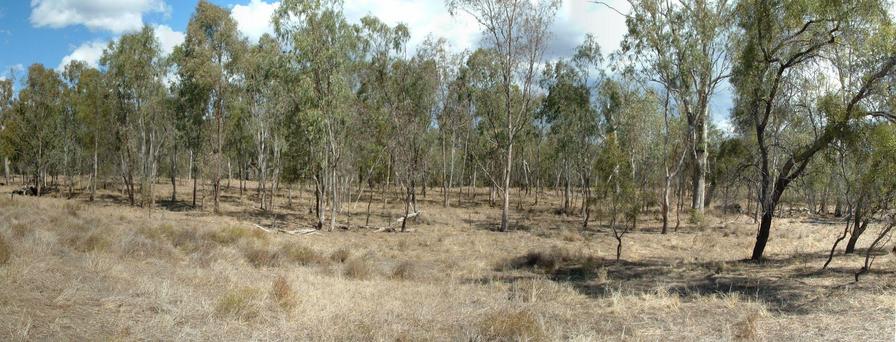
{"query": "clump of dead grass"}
pixel 20 230
pixel 512 325
pixel 532 290
pixel 341 255
pixel 357 268
pixel 548 261
pixel 90 241
pixel 746 328
pixel 407 270
pixel 237 302
pixel 5 251
pixel 299 254
pixel 232 235
pixel 283 294
pixel 261 256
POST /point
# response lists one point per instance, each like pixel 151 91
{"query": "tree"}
pixel 322 50
pixel 517 32
pixel 684 46
pixel 90 101
pixel 6 100
pixel 781 44
pixel 33 127
pixel 207 62
pixel 135 68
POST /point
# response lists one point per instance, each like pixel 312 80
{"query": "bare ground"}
pixel 106 271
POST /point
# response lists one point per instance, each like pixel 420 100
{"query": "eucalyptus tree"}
pixel 778 47
pixel 208 62
pixel 573 127
pixel 6 99
pixel 135 68
pixel 90 102
pixel 33 124
pixel 322 52
pixel 517 31
pixel 263 91
pixel 684 47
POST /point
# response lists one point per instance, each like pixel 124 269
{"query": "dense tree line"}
pixel 351 111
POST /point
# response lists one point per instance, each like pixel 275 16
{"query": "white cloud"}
pixel 422 18
pixel 254 19
pixel 168 38
pixel 111 15
pixel 89 52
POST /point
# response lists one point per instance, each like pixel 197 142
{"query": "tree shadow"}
pixel 792 284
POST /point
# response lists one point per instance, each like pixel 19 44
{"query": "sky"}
pixel 55 32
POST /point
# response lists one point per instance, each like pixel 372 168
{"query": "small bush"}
pixel 512 325
pixel 299 254
pixel 341 255
pixel 5 251
pixel 283 294
pixel 237 302
pixel 357 268
pixel 696 217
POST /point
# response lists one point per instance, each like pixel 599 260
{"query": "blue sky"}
pixel 54 32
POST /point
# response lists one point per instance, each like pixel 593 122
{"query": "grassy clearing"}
pixel 92 271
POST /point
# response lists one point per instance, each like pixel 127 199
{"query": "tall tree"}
pixel 207 62
pixel 782 44
pixel 518 31
pixel 322 49
pixel 34 123
pixel 683 46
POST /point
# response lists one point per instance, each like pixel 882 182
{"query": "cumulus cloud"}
pixel 110 15
pixel 89 52
pixel 254 19
pixel 168 38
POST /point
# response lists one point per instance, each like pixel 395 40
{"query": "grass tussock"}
pixel 547 261
pixel 341 255
pixel 232 235
pixel 261 256
pixel 358 268
pixel 283 294
pixel 20 230
pixel 512 325
pixel 90 241
pixel 5 251
pixel 746 328
pixel 407 270
pixel 238 302
pixel 299 254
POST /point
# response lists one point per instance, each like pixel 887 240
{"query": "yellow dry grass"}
pixel 104 271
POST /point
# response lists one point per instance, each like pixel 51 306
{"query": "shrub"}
pixel 5 251
pixel 696 217
pixel 511 325
pixel 283 294
pixel 340 255
pixel 237 302
pixel 357 268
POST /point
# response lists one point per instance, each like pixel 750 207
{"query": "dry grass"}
pixel 5 251
pixel 512 325
pixel 104 271
pixel 283 294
